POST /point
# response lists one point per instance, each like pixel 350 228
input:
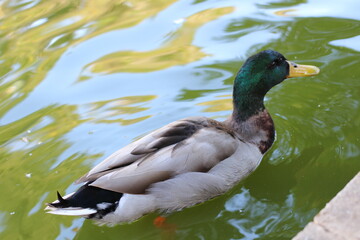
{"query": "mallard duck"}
pixel 187 161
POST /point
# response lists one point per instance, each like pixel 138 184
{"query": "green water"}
pixel 80 79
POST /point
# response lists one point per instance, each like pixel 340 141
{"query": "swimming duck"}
pixel 187 161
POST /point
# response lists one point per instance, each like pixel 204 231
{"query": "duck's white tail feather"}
pixel 80 212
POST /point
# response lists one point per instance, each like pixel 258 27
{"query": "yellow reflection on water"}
pixel 34 38
pixel 178 51
pixel 285 13
pixel 110 110
pixel 218 104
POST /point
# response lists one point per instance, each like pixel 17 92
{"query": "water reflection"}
pixel 178 50
pixel 110 110
pixel 80 79
pixel 263 218
pixel 218 104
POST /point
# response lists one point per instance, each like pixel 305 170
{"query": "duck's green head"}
pixel 259 74
pixel 268 68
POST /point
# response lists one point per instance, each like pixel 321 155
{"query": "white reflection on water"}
pixel 324 8
pixel 70 232
pixel 2 221
pixel 353 43
pixel 39 205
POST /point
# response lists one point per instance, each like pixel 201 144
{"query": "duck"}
pixel 188 161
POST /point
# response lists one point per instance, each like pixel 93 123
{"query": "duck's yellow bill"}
pixel 297 70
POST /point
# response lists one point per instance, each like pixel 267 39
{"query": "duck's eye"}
pixel 275 63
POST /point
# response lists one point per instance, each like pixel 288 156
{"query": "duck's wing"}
pixel 168 135
pixel 188 145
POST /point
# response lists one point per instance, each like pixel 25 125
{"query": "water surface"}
pixel 80 79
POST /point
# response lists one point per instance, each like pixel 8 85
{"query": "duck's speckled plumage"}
pixel 185 162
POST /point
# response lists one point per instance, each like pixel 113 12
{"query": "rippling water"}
pixel 79 79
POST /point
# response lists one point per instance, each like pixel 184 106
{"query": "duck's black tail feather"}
pixel 87 201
